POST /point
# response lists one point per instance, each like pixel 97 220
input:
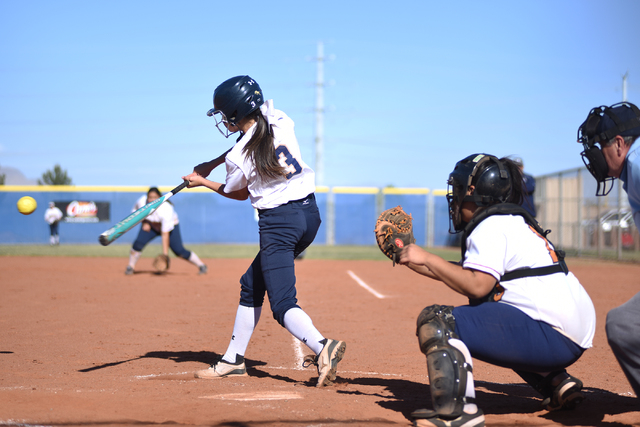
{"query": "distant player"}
pixel 527 312
pixel 266 166
pixel 529 188
pixel 52 216
pixel 162 222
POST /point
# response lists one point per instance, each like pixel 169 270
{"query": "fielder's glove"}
pixel 161 263
pixel 394 230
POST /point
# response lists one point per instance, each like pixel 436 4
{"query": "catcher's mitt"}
pixel 394 230
pixel 161 263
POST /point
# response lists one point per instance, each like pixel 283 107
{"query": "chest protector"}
pixel 557 256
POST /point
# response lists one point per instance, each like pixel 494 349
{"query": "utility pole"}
pixel 319 110
pixel 624 87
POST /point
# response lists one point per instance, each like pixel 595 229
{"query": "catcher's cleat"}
pixel 223 369
pixel 567 395
pixel 327 361
pixel 128 271
pixel 426 417
pixel 202 269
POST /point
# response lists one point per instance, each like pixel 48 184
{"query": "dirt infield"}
pixel 83 344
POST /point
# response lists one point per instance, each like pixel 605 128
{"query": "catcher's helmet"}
pixel 489 176
pixel 602 124
pixel 233 100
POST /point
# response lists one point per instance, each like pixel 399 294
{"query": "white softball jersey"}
pixel 52 215
pixel 503 243
pixel 164 216
pixel 241 171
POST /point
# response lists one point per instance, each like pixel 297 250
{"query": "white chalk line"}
pixel 364 285
pixel 277 368
pixel 297 348
pixel 265 395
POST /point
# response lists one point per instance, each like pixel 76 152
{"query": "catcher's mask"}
pixel 489 176
pixel 234 100
pixel 602 124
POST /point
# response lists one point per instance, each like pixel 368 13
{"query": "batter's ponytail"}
pixel 261 151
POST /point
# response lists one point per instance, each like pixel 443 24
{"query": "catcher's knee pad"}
pixel 435 324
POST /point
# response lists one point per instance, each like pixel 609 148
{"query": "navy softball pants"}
pixel 503 335
pixel 285 232
pixel 175 241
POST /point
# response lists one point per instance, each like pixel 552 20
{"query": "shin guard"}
pixel 447 365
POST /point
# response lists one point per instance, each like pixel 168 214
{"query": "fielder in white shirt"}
pixel 52 216
pixel 162 222
pixel 526 311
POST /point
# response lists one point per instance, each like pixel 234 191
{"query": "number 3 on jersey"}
pixel 289 160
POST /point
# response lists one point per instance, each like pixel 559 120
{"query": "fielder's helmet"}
pixel 236 98
pixel 489 176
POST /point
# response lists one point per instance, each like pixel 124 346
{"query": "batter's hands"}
pixel 194 179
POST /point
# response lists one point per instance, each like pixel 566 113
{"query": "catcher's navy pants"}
pixel 285 232
pixel 503 335
pixel 175 241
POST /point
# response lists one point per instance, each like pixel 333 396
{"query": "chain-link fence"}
pixel 583 223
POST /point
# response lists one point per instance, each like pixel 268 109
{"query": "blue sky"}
pixel 116 92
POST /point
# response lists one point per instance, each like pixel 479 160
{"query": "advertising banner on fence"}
pixel 80 211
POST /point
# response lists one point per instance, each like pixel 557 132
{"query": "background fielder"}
pixel 52 216
pixel 162 222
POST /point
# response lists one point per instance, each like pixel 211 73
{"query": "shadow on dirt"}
pixel 206 357
pixel 405 396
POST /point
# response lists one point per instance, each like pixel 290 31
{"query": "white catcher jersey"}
pixel 503 243
pixel 241 172
pixel 164 216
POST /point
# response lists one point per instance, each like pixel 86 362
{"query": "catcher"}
pixel 527 312
pixel 163 222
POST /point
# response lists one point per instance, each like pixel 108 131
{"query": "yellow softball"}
pixel 26 205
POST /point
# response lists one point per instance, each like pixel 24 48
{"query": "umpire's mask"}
pixel 603 124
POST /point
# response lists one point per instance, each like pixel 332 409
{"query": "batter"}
pixel 266 166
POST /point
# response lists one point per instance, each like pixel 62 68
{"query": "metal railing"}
pixel 583 224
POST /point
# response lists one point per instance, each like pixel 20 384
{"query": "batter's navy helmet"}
pixel 236 98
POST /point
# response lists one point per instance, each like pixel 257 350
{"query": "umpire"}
pixel 607 136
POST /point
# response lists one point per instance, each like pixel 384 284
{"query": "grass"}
pixel 249 251
pixel 210 251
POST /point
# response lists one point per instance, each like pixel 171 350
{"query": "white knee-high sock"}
pixel 300 325
pixel 194 259
pixel 133 258
pixel 246 320
pixel 470 408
